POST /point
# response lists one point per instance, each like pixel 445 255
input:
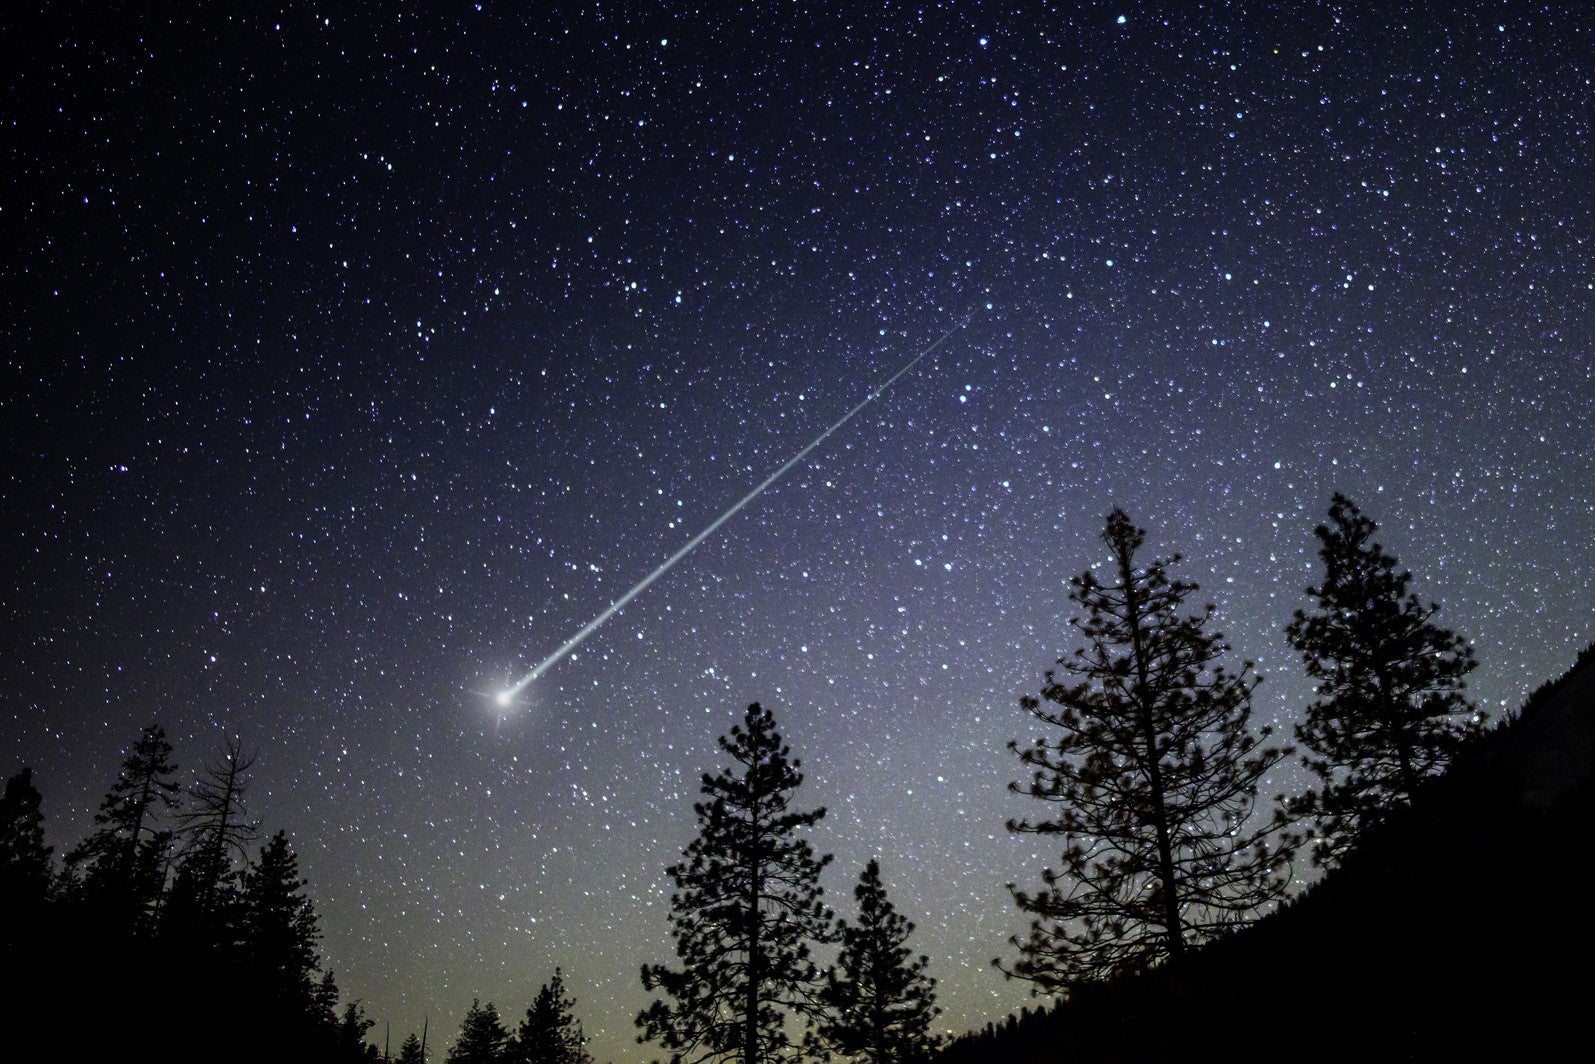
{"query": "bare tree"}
pixel 215 828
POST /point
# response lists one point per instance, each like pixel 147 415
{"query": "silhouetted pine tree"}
pixel 256 992
pixel 119 870
pixel 550 1033
pixel 746 908
pixel 879 1001
pixel 24 858
pixel 1390 709
pixel 410 1052
pixel 483 1037
pixel 1155 776
pixel 281 967
pixel 350 1044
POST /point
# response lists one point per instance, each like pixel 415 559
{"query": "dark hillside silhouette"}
pixel 1448 933
pixel 1453 929
pixel 135 947
pixel 1547 753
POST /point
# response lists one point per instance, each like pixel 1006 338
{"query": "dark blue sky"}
pixel 357 355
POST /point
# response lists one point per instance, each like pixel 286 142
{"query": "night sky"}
pixel 355 356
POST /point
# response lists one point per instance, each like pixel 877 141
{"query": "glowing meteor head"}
pixel 504 698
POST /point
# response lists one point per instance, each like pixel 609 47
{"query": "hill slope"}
pixel 1462 930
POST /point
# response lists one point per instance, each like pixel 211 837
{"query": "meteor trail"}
pixel 508 695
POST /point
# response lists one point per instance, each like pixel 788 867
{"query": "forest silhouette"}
pixel 1165 933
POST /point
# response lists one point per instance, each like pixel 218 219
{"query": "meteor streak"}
pixel 509 695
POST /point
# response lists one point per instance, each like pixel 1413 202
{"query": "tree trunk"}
pixel 1160 819
pixel 750 1020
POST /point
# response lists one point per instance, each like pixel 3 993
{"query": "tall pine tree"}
pixel 24 858
pixel 879 1001
pixel 746 909
pixel 119 870
pixel 550 1033
pixel 483 1037
pixel 281 966
pixel 1154 773
pixel 410 1052
pixel 1389 709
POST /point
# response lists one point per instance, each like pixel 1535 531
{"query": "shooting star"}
pixel 509 694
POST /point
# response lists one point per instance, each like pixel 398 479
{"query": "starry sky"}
pixel 355 356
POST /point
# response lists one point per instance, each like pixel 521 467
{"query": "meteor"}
pixel 509 695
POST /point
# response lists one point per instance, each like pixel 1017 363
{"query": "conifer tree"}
pixel 281 934
pixel 42 958
pixel 550 1033
pixel 410 1051
pixel 24 858
pixel 120 869
pixel 350 1043
pixel 879 1000
pixel 1389 709
pixel 1154 774
pixel 483 1037
pixel 746 908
